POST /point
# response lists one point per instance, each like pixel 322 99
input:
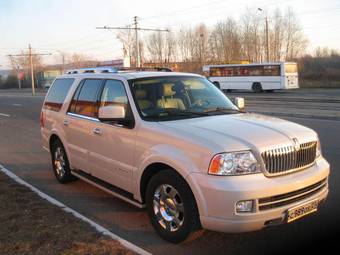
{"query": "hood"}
pixel 241 131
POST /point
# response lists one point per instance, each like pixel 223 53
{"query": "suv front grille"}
pixel 285 159
pixel 291 197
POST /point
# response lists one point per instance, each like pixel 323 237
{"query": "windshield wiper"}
pixel 222 110
pixel 170 112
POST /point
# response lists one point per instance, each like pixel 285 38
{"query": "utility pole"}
pixel 30 56
pixel 31 68
pixel 19 78
pixel 136 28
pixel 267 34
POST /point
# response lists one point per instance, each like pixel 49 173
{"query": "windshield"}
pixel 291 68
pixel 178 97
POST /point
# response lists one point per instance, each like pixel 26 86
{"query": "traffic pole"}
pixel 31 67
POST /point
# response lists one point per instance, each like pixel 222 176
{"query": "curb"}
pixel 67 209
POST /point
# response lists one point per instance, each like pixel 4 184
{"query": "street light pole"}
pixel 267 34
pixel 137 42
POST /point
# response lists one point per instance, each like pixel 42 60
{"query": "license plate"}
pixel 302 210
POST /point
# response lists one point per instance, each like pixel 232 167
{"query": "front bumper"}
pixel 216 197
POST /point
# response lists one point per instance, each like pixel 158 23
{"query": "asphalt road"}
pixel 21 152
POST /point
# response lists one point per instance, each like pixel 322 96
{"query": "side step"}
pixel 107 187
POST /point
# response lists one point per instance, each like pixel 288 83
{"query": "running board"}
pixel 107 187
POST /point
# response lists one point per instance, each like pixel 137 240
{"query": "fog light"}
pixel 244 206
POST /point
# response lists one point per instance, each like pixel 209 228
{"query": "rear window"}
pixel 57 94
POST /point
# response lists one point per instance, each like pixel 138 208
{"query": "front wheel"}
pixel 171 206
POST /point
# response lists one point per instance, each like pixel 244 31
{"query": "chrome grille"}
pixel 289 158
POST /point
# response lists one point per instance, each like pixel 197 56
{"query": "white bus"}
pixel 257 77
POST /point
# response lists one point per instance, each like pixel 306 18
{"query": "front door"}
pixel 112 144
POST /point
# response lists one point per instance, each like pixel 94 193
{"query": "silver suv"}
pixel 175 144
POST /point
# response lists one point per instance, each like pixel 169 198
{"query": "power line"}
pixel 136 28
pixel 30 55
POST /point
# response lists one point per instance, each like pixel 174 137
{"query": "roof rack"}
pixel 116 70
pixel 141 69
pixel 93 70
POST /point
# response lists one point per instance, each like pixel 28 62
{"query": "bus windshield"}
pixel 290 68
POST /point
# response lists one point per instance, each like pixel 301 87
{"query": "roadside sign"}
pixel 21 75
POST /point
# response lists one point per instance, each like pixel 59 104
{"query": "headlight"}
pixel 234 163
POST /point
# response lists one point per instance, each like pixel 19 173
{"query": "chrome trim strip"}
pixel 322 185
pixel 83 117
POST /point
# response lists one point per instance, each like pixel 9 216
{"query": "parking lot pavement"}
pixel 21 152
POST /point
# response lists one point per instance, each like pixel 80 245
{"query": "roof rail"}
pixel 116 70
pixel 141 69
pixel 92 70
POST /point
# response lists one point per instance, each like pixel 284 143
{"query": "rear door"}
pixel 81 113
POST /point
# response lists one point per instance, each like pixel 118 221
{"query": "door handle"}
pixel 66 123
pixel 97 131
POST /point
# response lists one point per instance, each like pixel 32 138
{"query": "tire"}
pixel 217 84
pixel 257 87
pixel 60 163
pixel 171 206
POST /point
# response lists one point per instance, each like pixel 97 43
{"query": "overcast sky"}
pixel 69 25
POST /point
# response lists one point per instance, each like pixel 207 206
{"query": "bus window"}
pixel 227 71
pixel 272 70
pixel 215 71
pixel 255 70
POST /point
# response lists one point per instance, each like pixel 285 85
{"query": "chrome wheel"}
pixel 59 162
pixel 168 207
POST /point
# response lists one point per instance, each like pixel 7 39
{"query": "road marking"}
pixel 17 104
pixel 65 208
pixel 5 115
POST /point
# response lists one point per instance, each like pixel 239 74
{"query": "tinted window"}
pixel 87 100
pixel 113 94
pixel 273 70
pixel 57 94
pixel 178 97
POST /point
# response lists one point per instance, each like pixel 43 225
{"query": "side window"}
pixel 114 94
pixel 72 107
pixel 57 94
pixel 86 103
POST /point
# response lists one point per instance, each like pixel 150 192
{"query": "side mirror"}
pixel 111 113
pixel 239 102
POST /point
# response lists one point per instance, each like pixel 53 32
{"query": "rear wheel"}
pixel 171 206
pixel 257 87
pixel 60 164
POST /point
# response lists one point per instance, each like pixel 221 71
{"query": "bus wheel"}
pixel 217 84
pixel 257 87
